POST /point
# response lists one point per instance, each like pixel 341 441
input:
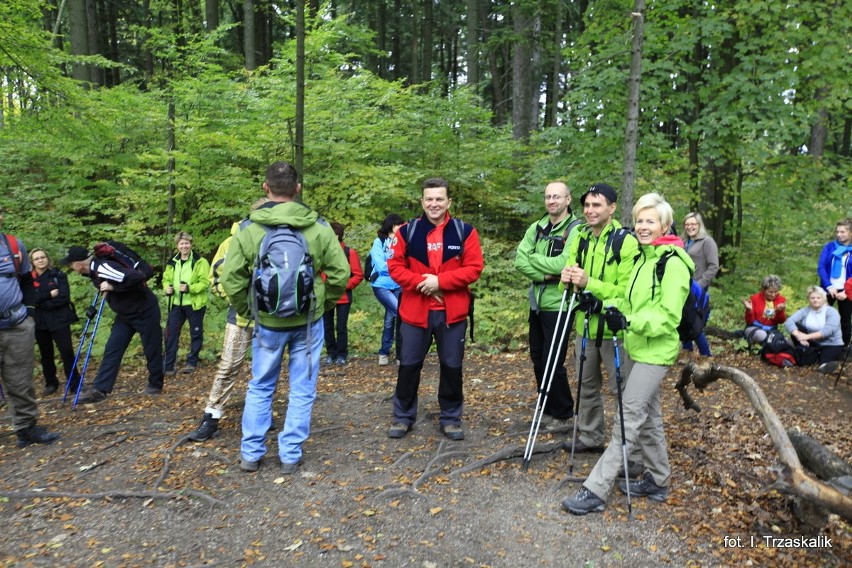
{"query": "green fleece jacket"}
pixel 193 271
pixel 653 308
pixel 607 279
pixel 323 246
pixel 537 259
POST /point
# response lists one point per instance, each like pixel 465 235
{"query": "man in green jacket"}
pixel 598 264
pixel 537 258
pixel 302 333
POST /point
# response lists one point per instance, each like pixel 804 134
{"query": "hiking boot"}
pixel 825 368
pixel 209 428
pixel 290 468
pixel 249 466
pixel 580 447
pixel 152 390
pixel 328 360
pixel 91 395
pixel 634 470
pixel 645 488
pixel 188 369
pixel 169 372
pixel 341 360
pixel 50 388
pixel 35 435
pixel 398 430
pixel 383 361
pixel 582 502
pixel 452 432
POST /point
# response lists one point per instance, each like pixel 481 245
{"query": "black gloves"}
pixel 589 304
pixel 615 320
pixel 91 312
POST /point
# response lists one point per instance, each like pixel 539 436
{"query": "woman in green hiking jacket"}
pixel 648 319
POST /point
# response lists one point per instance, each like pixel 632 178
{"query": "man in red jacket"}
pixel 434 258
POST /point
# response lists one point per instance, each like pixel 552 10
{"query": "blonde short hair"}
pixel 183 236
pixel 702 230
pixel 659 203
pixel 818 290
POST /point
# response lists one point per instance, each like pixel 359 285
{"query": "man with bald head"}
pixel 536 259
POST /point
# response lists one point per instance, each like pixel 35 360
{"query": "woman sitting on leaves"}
pixel 765 310
pixel 48 301
pixel 815 332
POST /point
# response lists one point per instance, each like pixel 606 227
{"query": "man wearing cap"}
pixel 598 265
pixel 17 344
pixel 136 311
pixel 536 258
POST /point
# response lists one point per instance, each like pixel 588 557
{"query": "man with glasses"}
pixel 536 258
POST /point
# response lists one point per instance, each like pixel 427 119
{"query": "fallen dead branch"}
pixel 792 478
pixel 177 494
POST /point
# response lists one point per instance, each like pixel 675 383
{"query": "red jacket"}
pixel 758 311
pixel 461 266
pixel 356 275
pixel 848 288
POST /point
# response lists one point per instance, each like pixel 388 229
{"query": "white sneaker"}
pixel 383 360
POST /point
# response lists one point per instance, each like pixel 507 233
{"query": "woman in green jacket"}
pixel 647 317
pixel 185 283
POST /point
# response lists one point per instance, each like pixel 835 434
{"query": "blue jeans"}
pixel 267 350
pixel 701 341
pixel 390 300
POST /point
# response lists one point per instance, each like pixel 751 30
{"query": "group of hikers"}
pixel 624 293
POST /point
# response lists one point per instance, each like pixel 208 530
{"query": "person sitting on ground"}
pixel 48 300
pixel 337 336
pixel 185 285
pixel 815 332
pixel 765 310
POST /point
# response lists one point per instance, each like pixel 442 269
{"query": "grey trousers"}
pixel 643 427
pixel 237 342
pixel 591 419
pixel 17 360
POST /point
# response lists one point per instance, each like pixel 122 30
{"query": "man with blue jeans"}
pixel 302 334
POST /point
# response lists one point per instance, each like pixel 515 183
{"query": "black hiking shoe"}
pixel 398 430
pixel 91 395
pixel 453 432
pixel 580 447
pixel 634 470
pixel 249 466
pixel 582 502
pixel 645 488
pixel 825 368
pixel 290 468
pixel 50 388
pixel 35 435
pixel 209 428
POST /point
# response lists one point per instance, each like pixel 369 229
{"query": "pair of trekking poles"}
pixel 550 371
pixel 93 319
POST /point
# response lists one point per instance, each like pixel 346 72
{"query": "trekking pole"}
pixel 579 388
pixel 547 378
pixel 621 420
pixel 80 347
pixel 843 364
pixel 89 351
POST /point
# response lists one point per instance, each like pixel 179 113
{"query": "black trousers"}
pixel 542 328
pixel 62 338
pixel 147 324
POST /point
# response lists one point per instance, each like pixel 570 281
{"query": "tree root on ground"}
pixel 505 453
pixel 792 478
pixel 179 493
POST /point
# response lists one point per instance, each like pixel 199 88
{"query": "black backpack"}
pixel 695 308
pixel 283 273
pixel 125 256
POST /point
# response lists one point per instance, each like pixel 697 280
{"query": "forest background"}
pixel 132 120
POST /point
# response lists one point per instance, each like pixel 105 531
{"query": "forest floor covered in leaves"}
pixel 123 486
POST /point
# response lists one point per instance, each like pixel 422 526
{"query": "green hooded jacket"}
pixel 193 271
pixel 653 308
pixel 331 269
pixel 536 258
pixel 607 280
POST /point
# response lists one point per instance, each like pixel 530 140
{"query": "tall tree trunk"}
pixel 147 56
pixel 300 93
pixel 78 26
pixel 92 33
pixel 553 93
pixel 819 131
pixel 249 47
pixel 631 134
pixel 396 50
pixel 170 149
pixel 211 15
pixel 523 24
pixel 426 42
pixel 473 44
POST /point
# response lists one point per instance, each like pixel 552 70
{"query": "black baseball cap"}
pixel 75 254
pixel 601 189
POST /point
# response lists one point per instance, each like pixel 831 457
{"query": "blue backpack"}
pixel 696 307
